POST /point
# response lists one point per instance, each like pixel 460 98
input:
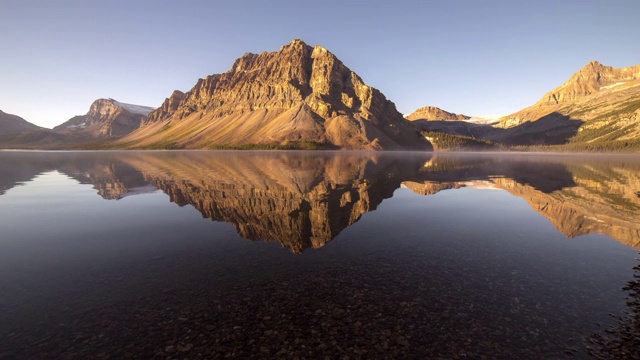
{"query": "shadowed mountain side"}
pixel 578 197
pixel 41 139
pixel 551 129
pixel 297 201
pixel 12 124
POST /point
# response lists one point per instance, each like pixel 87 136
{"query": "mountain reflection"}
pixel 578 195
pixel 304 199
pixel 297 200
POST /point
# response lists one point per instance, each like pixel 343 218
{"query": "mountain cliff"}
pixel 297 94
pixel 11 124
pixel 107 118
pixel 434 113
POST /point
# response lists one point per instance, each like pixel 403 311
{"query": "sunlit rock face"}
pixel 590 79
pixel 299 93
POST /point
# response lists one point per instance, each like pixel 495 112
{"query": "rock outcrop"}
pixel 434 113
pixel 107 118
pixel 167 109
pixel 300 93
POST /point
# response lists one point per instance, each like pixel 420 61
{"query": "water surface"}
pixel 285 254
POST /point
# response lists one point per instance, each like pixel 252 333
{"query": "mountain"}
pixel 599 106
pixel 107 118
pixel 593 78
pixel 298 95
pixel 434 113
pixel 17 133
pixel 12 124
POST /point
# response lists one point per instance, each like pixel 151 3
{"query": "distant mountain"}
pixel 598 108
pixel 11 124
pixel 17 133
pixel 594 78
pixel 434 113
pixel 299 95
pixel 107 118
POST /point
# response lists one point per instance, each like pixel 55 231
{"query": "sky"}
pixel 479 58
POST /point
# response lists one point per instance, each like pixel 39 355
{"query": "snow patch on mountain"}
pixel 135 109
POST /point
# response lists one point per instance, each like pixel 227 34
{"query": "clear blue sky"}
pixel 473 57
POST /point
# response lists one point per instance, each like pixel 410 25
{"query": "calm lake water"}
pixel 314 255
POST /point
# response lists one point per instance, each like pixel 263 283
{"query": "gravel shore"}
pixel 375 307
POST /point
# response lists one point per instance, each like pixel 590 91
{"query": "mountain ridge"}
pixel 596 109
pixel 583 86
pixel 434 113
pixel 10 124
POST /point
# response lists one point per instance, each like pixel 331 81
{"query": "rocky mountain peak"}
pixel 103 108
pixel 589 80
pixel 295 44
pixel 297 93
pixel 106 118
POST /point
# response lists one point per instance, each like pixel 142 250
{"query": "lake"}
pixel 111 255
